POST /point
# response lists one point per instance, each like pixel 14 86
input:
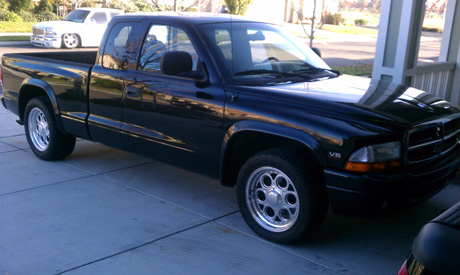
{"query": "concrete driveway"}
pixel 103 211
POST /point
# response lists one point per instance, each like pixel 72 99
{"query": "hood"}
pixel 57 25
pixel 358 96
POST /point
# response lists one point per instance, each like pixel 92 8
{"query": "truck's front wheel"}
pixel 70 40
pixel 42 132
pixel 281 196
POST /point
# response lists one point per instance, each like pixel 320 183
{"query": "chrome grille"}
pixel 431 140
pixel 37 31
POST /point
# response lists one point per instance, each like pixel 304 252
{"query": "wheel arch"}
pixel 243 140
pixel 32 88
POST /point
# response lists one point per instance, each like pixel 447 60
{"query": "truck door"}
pixel 107 84
pixel 174 117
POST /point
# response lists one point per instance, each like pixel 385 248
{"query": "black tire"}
pixel 282 195
pixel 43 135
pixel 70 40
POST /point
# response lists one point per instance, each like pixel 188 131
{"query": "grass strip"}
pixel 16 27
pixel 349 29
pixel 7 38
pixel 359 70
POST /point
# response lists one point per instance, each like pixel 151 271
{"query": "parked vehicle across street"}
pixel 243 102
pixel 83 27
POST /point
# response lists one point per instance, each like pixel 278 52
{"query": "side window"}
pixel 162 39
pixel 99 17
pixel 119 45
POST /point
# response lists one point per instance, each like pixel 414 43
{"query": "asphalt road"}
pixel 334 53
pixel 353 53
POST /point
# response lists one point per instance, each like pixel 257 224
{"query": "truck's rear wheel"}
pixel 42 132
pixel 70 40
pixel 281 196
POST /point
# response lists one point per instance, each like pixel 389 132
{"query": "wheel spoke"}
pixel 38 129
pixel 272 199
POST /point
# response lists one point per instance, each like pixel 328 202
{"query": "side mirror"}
pixel 317 51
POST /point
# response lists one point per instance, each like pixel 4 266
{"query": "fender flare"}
pixel 282 131
pixel 40 84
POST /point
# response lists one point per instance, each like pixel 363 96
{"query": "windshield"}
pixel 77 16
pixel 261 54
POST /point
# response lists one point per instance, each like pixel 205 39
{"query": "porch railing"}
pixel 435 78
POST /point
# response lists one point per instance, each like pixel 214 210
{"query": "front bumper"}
pixel 362 195
pixel 45 41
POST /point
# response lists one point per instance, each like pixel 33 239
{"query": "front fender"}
pixel 246 138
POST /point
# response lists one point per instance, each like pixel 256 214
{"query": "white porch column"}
pixel 450 48
pixel 398 40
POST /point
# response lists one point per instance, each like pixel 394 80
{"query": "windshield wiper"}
pixel 316 70
pixel 258 72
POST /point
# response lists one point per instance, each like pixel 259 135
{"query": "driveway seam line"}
pixel 146 244
pixel 277 246
pixel 46 185
pixel 107 172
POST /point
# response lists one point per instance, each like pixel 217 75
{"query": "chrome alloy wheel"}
pixel 272 199
pixel 38 129
pixel 70 40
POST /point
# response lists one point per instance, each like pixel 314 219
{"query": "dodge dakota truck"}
pixel 245 103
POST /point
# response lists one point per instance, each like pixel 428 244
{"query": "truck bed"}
pixel 63 76
pixel 84 57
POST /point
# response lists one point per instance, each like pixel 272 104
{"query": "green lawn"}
pixel 360 70
pixel 9 27
pixel 349 29
pixel 15 38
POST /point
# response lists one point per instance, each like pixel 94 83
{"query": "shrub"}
pixel 361 22
pixel 28 16
pixel 432 29
pixel 142 6
pixel 10 16
pixel 333 19
pixel 47 16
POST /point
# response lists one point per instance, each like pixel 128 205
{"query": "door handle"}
pixel 132 92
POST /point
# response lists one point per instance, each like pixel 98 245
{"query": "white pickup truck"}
pixel 83 27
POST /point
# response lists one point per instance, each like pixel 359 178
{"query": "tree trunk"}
pixel 312 36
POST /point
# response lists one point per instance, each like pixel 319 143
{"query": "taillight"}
pixel 403 270
pixel 1 76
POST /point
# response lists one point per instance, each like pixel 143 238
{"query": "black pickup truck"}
pixel 245 103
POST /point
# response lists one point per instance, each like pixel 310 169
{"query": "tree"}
pixel 44 6
pixel 18 5
pixel 361 4
pixel 374 5
pixel 312 21
pixel 156 6
pixel 4 5
pixel 238 6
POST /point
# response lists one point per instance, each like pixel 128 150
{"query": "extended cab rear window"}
pixel 119 45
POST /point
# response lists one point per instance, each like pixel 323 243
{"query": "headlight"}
pixel 373 158
pixel 49 32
